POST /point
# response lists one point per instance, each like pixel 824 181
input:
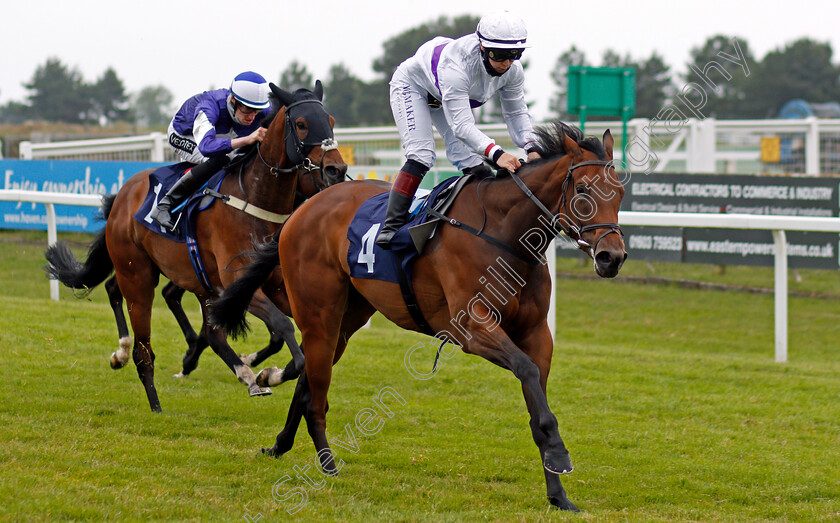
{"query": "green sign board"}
pixel 602 91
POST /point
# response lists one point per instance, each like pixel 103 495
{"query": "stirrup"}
pixel 164 218
pixel 383 239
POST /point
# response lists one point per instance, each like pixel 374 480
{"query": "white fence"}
pixel 777 224
pixel 807 146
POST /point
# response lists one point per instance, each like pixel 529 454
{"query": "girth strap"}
pixel 410 299
pixel 246 207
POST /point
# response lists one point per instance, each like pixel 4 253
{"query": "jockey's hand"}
pixel 509 162
pixel 533 155
pixel 258 135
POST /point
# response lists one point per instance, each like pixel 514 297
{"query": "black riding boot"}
pixel 397 215
pixel 399 201
pixel 183 188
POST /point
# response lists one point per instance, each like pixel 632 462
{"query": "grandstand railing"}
pixel 807 146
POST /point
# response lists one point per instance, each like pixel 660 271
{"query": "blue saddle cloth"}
pixel 369 261
pixel 160 181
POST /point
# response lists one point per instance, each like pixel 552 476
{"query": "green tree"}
pixel 296 76
pixel 153 106
pixel 58 93
pixel 109 100
pixel 558 104
pixel 724 80
pixel 14 112
pixel 802 69
pixel 653 85
pixel 341 92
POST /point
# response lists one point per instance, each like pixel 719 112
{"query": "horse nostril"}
pixel 603 258
pixel 333 174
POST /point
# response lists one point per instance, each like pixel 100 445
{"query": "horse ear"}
pixel 285 97
pixel 319 90
pixel 608 143
pixel 572 147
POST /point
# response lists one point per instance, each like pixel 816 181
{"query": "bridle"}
pixel 573 231
pixel 304 165
pixel 298 150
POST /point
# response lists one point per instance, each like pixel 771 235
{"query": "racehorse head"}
pixel 302 139
pixel 590 196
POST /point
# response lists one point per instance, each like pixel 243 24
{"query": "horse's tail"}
pixel 228 311
pixel 107 205
pixel 64 267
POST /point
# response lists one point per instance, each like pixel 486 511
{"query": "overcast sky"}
pixel 189 46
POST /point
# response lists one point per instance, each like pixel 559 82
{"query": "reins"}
pixel 572 231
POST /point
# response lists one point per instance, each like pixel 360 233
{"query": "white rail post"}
pixel 706 146
pixel 780 252
pixel 156 154
pixel 25 149
pixel 812 147
pixel 52 238
pixel 551 256
pixel 640 140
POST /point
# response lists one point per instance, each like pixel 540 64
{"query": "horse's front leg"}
pixel 539 347
pixel 495 346
pixel 218 342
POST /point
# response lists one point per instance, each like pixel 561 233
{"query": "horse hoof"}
pixel 563 504
pixel 270 377
pixel 272 452
pixel 561 464
pixel 180 375
pixel 115 362
pixel 256 390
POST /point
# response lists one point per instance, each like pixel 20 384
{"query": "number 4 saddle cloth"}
pixel 368 260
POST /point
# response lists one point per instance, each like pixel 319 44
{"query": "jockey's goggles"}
pixel 500 55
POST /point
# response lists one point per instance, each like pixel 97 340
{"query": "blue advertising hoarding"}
pixel 64 176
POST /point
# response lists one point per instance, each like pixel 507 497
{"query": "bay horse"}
pixel 573 189
pixel 280 328
pixel 298 141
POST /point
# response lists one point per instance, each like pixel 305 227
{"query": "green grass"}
pixel 668 399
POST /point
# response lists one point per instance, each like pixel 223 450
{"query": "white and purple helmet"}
pixel 251 90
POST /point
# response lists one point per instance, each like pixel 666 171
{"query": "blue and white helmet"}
pixel 502 30
pixel 250 89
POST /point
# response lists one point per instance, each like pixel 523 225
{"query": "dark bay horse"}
pixel 299 140
pixel 491 298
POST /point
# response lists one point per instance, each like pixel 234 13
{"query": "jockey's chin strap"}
pixel 573 231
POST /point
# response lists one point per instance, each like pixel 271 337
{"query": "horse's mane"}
pixel 552 140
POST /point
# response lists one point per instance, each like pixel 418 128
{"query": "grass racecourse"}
pixel 667 397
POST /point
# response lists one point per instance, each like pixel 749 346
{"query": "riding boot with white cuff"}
pixel 183 188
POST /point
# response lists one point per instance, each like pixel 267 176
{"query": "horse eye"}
pixel 301 126
pixel 580 189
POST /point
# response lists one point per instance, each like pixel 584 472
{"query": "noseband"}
pixel 574 232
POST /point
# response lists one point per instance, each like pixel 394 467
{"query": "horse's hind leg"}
pixel 138 280
pixel 300 403
pixel 319 370
pixel 196 343
pixel 279 327
pixel 115 298
pixel 218 342
pixel 359 311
